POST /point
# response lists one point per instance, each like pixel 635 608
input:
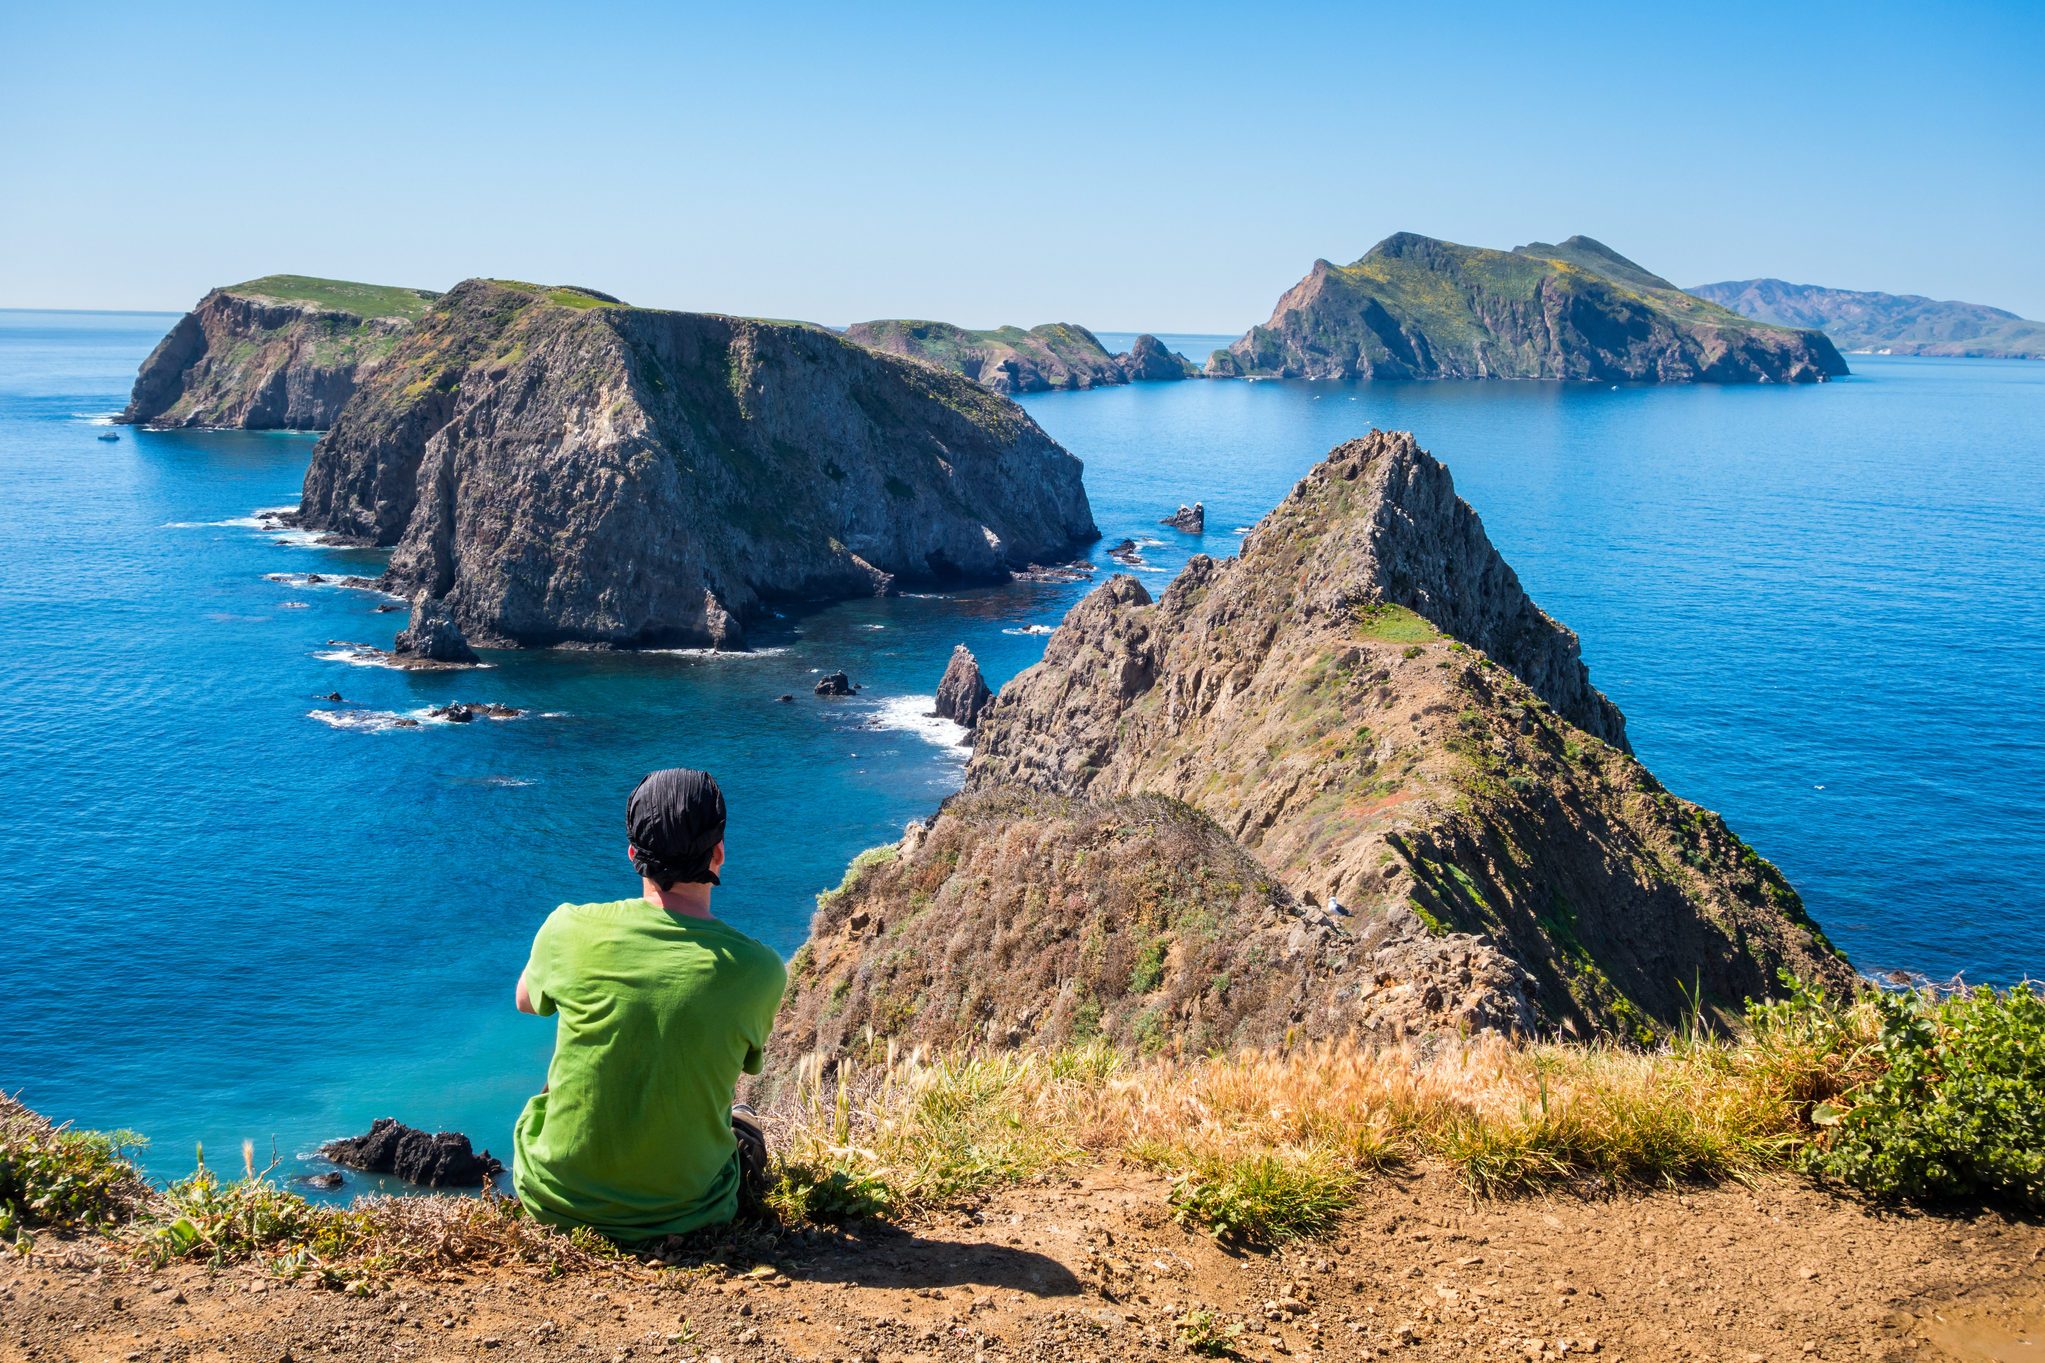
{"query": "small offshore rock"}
pixel 1191 519
pixel 443 1159
pixel 332 695
pixel 786 697
pixel 464 712
pixel 329 1180
pixel 1126 553
pixel 432 635
pixel 962 695
pixel 835 684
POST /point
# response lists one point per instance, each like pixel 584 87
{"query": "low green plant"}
pixel 1208 1335
pixel 53 1177
pixel 1954 1106
pixel 1264 1198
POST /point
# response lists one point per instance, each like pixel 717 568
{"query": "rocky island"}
pixel 1012 360
pixel 1884 323
pixel 1351 780
pixel 553 467
pixel 1418 308
pixel 284 352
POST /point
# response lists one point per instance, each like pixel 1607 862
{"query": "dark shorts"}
pixel 752 1162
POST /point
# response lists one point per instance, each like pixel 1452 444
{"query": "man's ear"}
pixel 717 855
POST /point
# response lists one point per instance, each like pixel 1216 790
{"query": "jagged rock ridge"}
pixel 1415 307
pixel 284 352
pixel 1014 360
pixel 558 468
pixel 1366 707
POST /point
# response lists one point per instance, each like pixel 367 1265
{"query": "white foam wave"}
pixel 773 652
pixel 1146 542
pixel 345 582
pixel 1242 530
pixel 363 655
pixel 232 522
pixel 95 418
pixel 363 721
pixel 914 715
pixel 1031 629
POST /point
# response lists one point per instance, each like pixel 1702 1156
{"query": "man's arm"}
pixel 525 1000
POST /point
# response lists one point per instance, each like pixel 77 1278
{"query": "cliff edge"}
pixel 559 468
pixel 284 352
pixel 1015 360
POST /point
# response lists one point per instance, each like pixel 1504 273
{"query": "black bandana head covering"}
pixel 675 819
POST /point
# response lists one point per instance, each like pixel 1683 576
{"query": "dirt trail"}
pixel 1095 1268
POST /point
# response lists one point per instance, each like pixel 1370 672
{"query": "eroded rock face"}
pixel 1021 917
pixel 245 358
pixel 834 684
pixel 1191 519
pixel 1363 709
pixel 962 694
pixel 587 473
pixel 435 1160
pixel 432 635
pixel 1416 307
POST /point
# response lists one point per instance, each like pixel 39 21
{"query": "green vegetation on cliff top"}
pixel 340 295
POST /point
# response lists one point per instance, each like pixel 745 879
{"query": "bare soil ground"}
pixel 1093 1267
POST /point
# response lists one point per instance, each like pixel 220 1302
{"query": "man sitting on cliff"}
pixel 660 1007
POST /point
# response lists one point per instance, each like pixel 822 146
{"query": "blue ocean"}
pixel 236 910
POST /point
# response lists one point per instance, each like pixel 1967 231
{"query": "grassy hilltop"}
pixel 1416 307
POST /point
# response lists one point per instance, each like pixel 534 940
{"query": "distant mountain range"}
pixel 1415 307
pixel 1883 323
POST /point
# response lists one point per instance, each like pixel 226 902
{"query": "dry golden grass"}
pixel 1263 1145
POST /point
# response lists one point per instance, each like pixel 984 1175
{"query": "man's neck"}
pixel 685 900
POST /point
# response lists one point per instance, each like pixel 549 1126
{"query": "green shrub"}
pixel 62 1179
pixel 1956 1107
pixel 1206 1334
pixel 1263 1199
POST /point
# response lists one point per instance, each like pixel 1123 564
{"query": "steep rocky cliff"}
pixel 1415 307
pixel 558 468
pixel 1352 778
pixel 1884 323
pixel 1012 360
pixel 284 352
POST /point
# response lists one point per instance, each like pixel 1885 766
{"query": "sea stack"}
pixel 433 636
pixel 285 352
pixel 561 469
pixel 962 694
pixel 1363 708
pixel 1191 519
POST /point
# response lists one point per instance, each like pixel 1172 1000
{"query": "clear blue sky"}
pixel 1124 165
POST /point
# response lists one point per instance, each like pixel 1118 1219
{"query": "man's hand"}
pixel 525 1000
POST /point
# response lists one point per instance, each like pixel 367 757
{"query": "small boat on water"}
pixel 111 435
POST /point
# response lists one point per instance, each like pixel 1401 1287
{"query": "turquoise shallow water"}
pixel 1820 608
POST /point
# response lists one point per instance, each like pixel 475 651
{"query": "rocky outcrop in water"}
pixel 1148 361
pixel 1014 360
pixel 1353 779
pixel 1191 519
pixel 1415 307
pixel 432 636
pixel 559 469
pixel 962 694
pixel 834 684
pixel 283 352
pixel 434 1160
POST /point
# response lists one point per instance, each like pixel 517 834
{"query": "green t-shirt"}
pixel 657 1014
